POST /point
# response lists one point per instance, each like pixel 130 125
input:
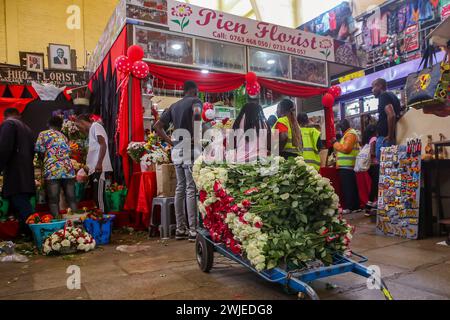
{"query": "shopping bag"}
pixel 428 86
pixel 363 159
pixel 166 180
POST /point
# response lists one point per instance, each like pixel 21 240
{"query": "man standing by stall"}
pixel 16 164
pixel 184 115
pixel 98 161
pixel 312 144
pixel 347 150
pixel 388 114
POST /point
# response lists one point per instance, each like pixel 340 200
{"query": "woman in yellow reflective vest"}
pixel 346 152
pixel 312 144
pixel 290 139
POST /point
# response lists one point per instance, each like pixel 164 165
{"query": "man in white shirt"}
pixel 98 161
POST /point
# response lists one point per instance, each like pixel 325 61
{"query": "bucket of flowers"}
pixel 42 225
pixel 135 150
pixel 68 240
pixel 273 213
pixel 115 197
pixel 99 225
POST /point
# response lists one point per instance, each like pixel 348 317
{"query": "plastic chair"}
pixel 168 224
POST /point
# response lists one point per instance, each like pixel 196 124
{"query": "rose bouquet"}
pixel 278 213
pixel 39 218
pixel 223 124
pixel 115 187
pixel 70 130
pixel 70 239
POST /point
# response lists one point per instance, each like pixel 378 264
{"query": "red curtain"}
pixel 32 92
pixel 16 90
pixel 211 82
pixel 19 104
pixel 2 89
pixel 329 126
pixel 137 115
pixel 291 89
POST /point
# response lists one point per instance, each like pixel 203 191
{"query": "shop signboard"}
pixel 223 112
pixel 412 38
pixel 351 76
pixel 208 23
pixel 60 78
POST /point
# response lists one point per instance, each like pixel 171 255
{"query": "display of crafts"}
pixel 69 239
pixel 39 218
pixel 279 213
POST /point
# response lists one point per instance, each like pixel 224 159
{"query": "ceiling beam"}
pixel 256 10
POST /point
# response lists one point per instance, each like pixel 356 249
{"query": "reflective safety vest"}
pixel 289 147
pixel 348 160
pixel 310 136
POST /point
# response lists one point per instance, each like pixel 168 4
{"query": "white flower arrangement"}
pixel 67 240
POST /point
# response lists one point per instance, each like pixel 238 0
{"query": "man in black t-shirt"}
pixel 388 114
pixel 185 115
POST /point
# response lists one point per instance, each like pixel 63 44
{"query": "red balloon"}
pixel 253 90
pixel 328 100
pixel 251 78
pixel 135 53
pixel 123 64
pixel 335 91
pixel 140 70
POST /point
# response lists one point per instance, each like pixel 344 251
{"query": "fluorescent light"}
pixel 205 71
pixel 271 61
pixel 177 46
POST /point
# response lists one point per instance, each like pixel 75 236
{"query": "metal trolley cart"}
pixel 295 281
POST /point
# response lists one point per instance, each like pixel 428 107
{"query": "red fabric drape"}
pixel 2 89
pixel 329 125
pixel 19 104
pixel 291 89
pixel 211 82
pixel 137 118
pixel 33 92
pixel 16 90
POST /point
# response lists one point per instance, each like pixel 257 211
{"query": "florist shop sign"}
pixel 19 75
pixel 213 24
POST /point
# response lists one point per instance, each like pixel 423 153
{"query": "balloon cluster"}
pixel 252 86
pixel 208 113
pixel 132 63
pixel 329 98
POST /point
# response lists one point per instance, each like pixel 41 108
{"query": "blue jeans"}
pixel 382 143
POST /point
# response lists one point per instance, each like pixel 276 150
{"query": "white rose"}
pixel 80 240
pixel 56 246
pixel 81 247
pixel 260 267
pixel 65 243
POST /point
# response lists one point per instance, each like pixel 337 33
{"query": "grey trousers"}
pixel 53 190
pixel 185 193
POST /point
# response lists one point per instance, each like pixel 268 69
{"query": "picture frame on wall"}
pixel 32 61
pixel 59 57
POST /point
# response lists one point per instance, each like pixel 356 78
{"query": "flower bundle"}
pixel 39 218
pixel 135 150
pixel 223 124
pixel 67 240
pixel 157 156
pixel 70 130
pixel 277 213
pixel 115 187
pixel 76 165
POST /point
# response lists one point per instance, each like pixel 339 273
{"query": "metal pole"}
pixel 130 120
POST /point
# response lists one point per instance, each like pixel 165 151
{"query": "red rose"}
pixel 203 195
pixel 251 191
pixel 258 225
pixel 325 232
pixel 246 203
pixel 217 186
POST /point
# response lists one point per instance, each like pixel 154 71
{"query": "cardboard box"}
pixel 166 180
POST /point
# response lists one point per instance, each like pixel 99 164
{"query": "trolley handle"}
pixel 363 258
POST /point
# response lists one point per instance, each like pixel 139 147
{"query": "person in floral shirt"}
pixel 53 146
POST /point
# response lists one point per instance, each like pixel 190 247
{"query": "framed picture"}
pixel 59 57
pixel 32 61
pixel 309 71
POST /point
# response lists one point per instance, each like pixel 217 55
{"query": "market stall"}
pixel 184 42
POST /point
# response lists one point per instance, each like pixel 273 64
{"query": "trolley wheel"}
pixel 205 253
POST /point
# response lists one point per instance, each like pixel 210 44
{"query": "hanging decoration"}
pixel 208 113
pixel 328 103
pixel 328 100
pixel 252 86
pixel 129 65
pixel 335 91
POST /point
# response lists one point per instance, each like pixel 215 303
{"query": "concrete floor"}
pixel 168 270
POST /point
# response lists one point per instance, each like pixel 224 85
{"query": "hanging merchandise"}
pixel 428 87
pixel 402 18
pixel 47 91
pixel 411 41
pixel 399 190
pixel 425 10
pixel 384 27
